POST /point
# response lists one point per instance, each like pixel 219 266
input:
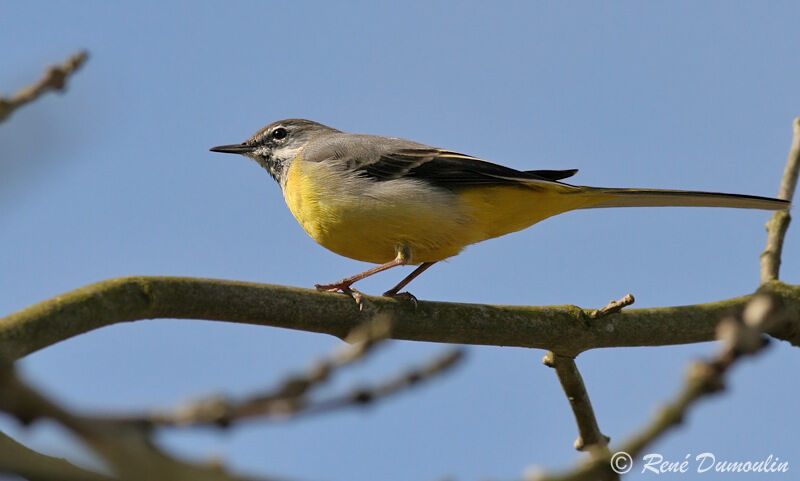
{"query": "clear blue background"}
pixel 115 178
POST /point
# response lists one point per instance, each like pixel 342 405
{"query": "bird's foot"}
pixel 406 296
pixel 344 288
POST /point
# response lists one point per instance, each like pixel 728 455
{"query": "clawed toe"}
pixel 357 296
pixel 406 296
pixel 344 289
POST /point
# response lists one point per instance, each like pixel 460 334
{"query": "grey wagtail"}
pixel 395 202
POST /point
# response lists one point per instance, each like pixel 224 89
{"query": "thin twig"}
pixel 779 222
pixel 289 398
pixel 401 382
pixel 54 79
pixel 293 396
pixel 221 412
pixel 589 435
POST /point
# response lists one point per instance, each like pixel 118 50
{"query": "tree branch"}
pixel 764 313
pixel 293 396
pixel 126 449
pixel 779 222
pixel 55 79
pixel 590 438
pixel 740 337
pixel 589 435
pixel 124 441
pixel 566 330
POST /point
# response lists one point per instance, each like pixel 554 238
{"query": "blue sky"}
pixel 115 178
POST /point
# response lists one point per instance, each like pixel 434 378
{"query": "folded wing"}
pixel 445 168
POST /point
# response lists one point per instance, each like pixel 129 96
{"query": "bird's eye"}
pixel 279 133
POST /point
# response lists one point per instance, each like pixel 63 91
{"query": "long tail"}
pixel 664 198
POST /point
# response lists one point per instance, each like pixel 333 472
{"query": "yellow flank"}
pixel 371 221
pixel 499 210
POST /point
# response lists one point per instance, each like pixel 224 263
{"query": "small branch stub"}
pixel 613 307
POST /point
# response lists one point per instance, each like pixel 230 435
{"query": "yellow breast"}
pixel 366 220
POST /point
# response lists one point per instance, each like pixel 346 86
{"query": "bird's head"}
pixel 276 145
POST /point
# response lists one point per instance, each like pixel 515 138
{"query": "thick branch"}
pixel 54 79
pixel 779 222
pixel 566 330
pixel 18 459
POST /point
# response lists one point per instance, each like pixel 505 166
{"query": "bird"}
pixel 395 202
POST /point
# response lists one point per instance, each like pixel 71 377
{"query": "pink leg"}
pixel 395 291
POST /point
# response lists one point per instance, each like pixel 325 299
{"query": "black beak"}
pixel 233 149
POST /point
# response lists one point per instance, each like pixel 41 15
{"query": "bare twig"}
pixel 589 435
pixel 290 398
pixel 590 438
pixel 55 79
pixel 779 222
pixel 399 383
pixel 221 412
pixel 612 307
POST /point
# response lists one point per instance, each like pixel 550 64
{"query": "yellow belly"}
pixel 369 221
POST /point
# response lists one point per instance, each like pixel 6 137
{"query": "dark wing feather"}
pixel 554 175
pixel 445 168
pixel 398 163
